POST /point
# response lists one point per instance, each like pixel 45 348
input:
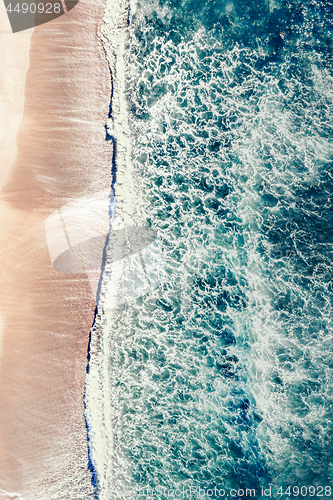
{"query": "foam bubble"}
pixel 222 375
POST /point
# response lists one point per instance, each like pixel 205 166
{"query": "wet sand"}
pixel 46 316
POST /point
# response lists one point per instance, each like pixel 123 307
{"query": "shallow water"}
pixel 222 376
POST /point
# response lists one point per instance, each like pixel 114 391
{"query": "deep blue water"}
pixel 222 377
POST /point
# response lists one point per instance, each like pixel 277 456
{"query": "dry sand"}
pixel 14 63
pixel 46 316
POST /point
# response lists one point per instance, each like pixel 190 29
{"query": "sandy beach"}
pixel 60 155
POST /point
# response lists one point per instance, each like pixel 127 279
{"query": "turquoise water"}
pixel 222 377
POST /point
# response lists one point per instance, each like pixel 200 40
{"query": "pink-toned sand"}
pixel 46 316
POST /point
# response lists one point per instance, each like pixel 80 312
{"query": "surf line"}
pixel 116 16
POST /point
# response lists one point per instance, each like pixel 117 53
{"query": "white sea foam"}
pixel 222 362
pixel 106 460
pixel 269 149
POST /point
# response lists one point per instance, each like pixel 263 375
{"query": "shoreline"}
pixel 62 155
pixel 99 395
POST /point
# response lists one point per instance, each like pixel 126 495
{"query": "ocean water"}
pixel 220 380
